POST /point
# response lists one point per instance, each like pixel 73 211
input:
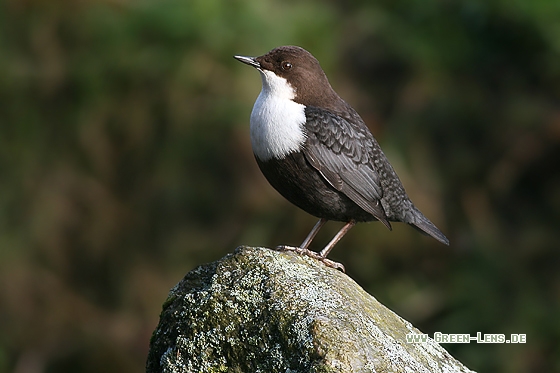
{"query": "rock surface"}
pixel 258 310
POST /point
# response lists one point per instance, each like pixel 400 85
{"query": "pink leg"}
pixel 322 256
pixel 305 244
pixel 337 238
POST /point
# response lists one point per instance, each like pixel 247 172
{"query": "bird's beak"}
pixel 251 61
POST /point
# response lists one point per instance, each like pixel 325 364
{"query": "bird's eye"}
pixel 286 65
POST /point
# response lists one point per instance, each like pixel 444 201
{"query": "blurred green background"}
pixel 125 162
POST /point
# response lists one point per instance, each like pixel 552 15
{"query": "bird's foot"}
pixel 314 255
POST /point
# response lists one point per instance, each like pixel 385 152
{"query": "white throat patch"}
pixel 276 120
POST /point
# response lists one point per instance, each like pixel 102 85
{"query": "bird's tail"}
pixel 425 226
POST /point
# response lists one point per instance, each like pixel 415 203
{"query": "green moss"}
pixel 259 310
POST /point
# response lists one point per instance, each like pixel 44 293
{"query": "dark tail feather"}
pixel 425 226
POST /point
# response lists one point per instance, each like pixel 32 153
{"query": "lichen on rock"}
pixel 259 310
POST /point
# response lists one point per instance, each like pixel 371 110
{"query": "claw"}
pixel 312 254
pixel 333 264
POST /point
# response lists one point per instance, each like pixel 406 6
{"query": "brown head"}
pixel 302 72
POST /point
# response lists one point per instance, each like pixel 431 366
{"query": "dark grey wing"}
pixel 342 150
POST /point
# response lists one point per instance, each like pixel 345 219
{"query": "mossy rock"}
pixel 259 310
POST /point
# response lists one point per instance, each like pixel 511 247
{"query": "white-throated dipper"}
pixel 317 152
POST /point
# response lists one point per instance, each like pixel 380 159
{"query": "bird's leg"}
pixel 337 238
pixel 302 249
pixel 322 256
pixel 305 244
pixel 327 249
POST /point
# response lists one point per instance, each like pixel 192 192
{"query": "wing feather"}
pixel 342 150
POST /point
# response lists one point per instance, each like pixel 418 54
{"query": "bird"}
pixel 318 153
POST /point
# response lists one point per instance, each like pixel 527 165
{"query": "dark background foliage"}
pixel 125 162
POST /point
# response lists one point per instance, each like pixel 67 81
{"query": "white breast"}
pixel 276 120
